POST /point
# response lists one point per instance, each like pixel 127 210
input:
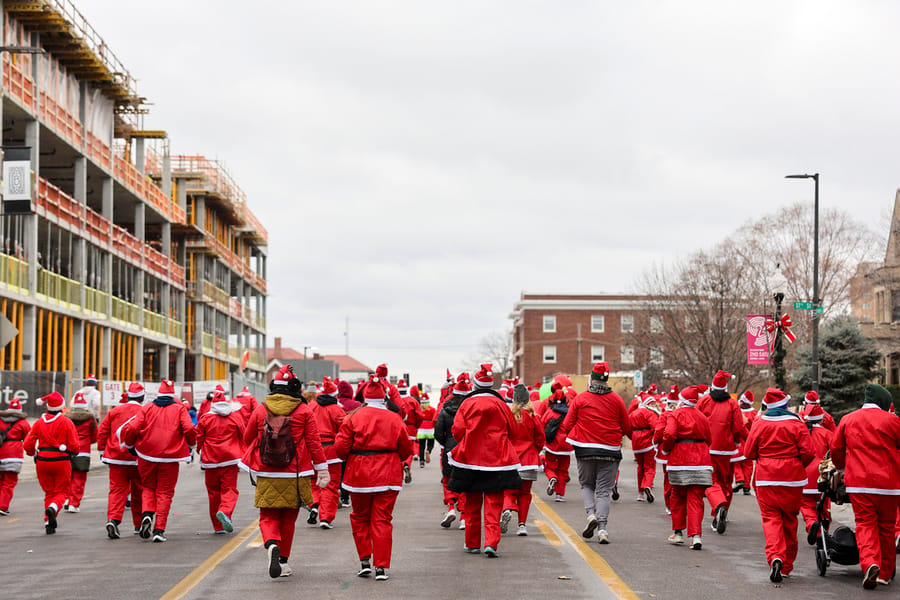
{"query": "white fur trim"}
pixel 456 463
pixel 876 491
pixel 227 463
pixel 158 459
pixel 801 483
pixel 372 490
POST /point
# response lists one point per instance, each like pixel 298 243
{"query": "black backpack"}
pixel 276 447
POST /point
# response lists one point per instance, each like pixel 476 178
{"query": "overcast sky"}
pixel 420 164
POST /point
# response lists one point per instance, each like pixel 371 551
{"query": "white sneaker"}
pixel 286 570
pixel 590 528
pixel 641 498
pixel 602 537
pixel 522 530
pixel 696 542
pixel 676 538
pixel 462 523
pixel 72 509
pixel 559 498
pixel 505 518
pixel 448 519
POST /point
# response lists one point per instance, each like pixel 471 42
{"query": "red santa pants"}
pixel 876 515
pixel 453 499
pixel 493 506
pixel 54 477
pixel 124 480
pixel 76 487
pixel 222 491
pixel 778 507
pixel 519 500
pixel 743 471
pixel 8 481
pixel 646 469
pixel 327 498
pixel 723 475
pixel 278 524
pixel 808 509
pixel 555 465
pixel 370 521
pixel 414 441
pixel 159 481
pixel 667 488
pixel 687 508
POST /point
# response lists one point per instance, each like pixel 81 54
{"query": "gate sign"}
pixel 757 340
pixel 111 392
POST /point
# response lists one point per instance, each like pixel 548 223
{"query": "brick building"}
pixel 568 333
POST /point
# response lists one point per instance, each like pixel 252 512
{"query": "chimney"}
pixel 277 355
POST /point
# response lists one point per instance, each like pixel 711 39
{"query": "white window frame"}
pixel 622 321
pixel 545 352
pixel 602 327
pixel 656 324
pixel 656 356
pixel 624 351
pixel 594 353
pixel 544 327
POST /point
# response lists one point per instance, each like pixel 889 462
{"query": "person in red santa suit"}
pixel 821 442
pixel 686 441
pixel 206 404
pixel 329 416
pixel 557 451
pixel 248 403
pixel 425 433
pixel 124 477
pixel 726 425
pixel 281 488
pixel 443 433
pixel 163 435
pixel 14 427
pixel 485 463
pixel 643 421
pixel 528 441
pixel 866 444
pixel 220 441
pixel 594 425
pixel 411 413
pixel 780 444
pixel 662 459
pixel 374 442
pixel 58 442
pixel 743 468
pixel 86 426
pixel 812 399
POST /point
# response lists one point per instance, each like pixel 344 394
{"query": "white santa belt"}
pixel 723 452
pixel 643 450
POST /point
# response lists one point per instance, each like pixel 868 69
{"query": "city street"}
pixel 79 561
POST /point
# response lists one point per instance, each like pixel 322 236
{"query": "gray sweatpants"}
pixel 597 478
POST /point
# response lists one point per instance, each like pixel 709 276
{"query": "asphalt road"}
pixel 79 561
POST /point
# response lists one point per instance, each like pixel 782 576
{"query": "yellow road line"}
pixel 594 560
pixel 255 542
pixel 548 533
pixel 196 576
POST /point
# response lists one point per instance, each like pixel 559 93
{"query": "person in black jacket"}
pixel 444 437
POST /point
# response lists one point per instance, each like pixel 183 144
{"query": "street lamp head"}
pixel 804 176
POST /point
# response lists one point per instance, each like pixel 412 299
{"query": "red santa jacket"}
pixel 109 434
pixel 483 428
pixel 310 455
pixel 827 421
pixel 559 445
pixel 411 411
pixel 248 405
pixel 821 442
pixel 329 416
pixel 726 425
pixel 686 440
pixel 781 446
pixel 374 443
pixel 596 422
pixel 866 444
pixel 161 432
pixel 643 422
pixel 658 430
pixel 52 437
pixel 528 440
pixel 86 427
pixel 220 435
pixel 14 424
pixel 426 427
pixel 540 407
pixel 748 415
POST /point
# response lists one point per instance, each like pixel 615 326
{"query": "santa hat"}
pixel 449 381
pixel 79 401
pixel 600 372
pixel 814 414
pixel 123 398
pixel 812 397
pixel 374 389
pixel 720 380
pixel 402 387
pixel 53 400
pixel 381 371
pixel 424 399
pixel 14 404
pixel 484 378
pixel 91 379
pixel 283 375
pixel 328 387
pixel 673 393
pixel 563 380
pixel 166 388
pixel 463 386
pixel 414 391
pixel 135 390
pixel 775 398
pixel 245 392
pixel 652 389
pixel 689 395
pixel 746 399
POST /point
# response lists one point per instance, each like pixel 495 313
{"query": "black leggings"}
pixel 422 444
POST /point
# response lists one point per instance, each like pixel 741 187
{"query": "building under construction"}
pixel 123 260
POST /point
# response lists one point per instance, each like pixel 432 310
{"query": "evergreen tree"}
pixel 849 361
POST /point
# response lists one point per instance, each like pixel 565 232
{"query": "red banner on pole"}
pixel 757 340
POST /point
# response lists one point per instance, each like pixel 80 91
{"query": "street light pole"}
pixel 305 367
pixel 815 299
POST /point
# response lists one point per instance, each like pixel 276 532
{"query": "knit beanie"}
pixel 875 394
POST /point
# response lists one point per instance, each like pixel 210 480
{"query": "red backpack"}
pixel 276 447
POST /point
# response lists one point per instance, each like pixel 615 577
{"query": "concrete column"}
pixel 163 357
pixel 182 194
pixel 139 358
pixel 81 179
pixel 200 212
pixel 140 154
pixel 77 350
pixel 179 364
pixel 166 234
pixel 107 352
pixel 140 223
pixel 106 190
pixel 29 338
pixel 166 183
pixel 32 139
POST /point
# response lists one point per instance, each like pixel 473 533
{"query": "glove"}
pixel 323 478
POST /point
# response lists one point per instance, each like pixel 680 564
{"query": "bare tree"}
pixel 495 348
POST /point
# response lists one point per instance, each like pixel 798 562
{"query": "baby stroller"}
pixel 839 545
